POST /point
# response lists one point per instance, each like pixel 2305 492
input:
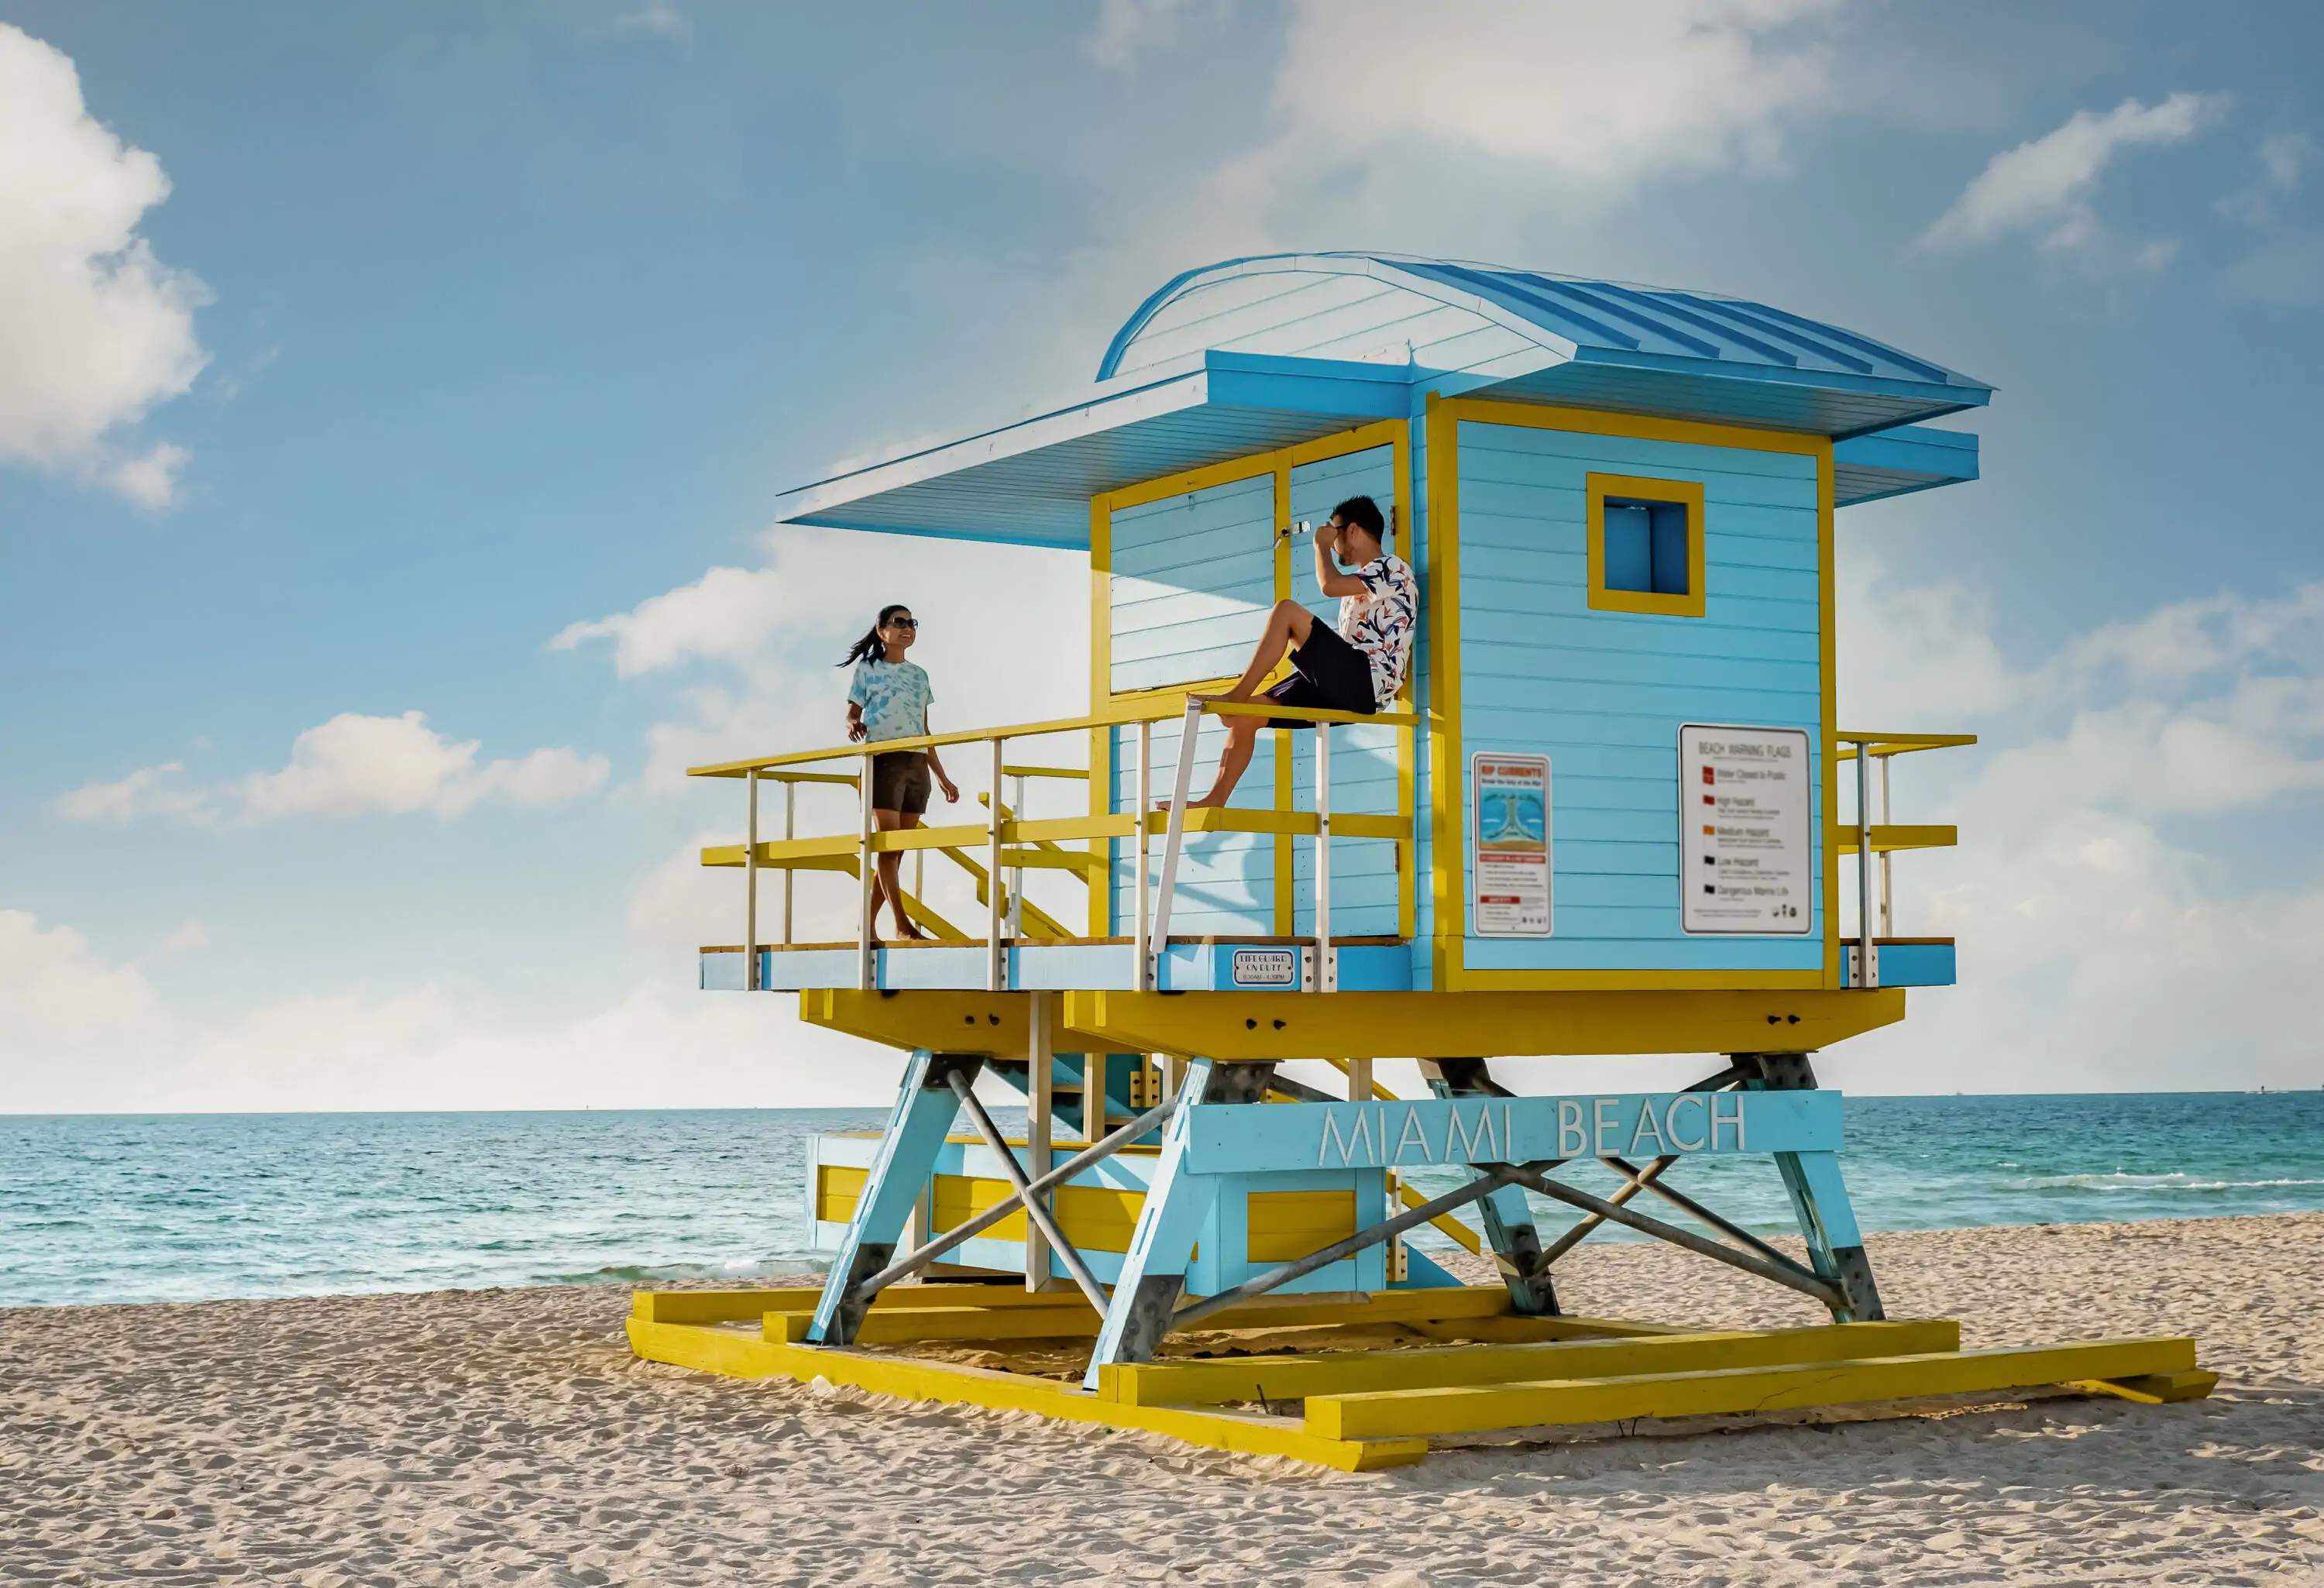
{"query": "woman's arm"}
pixel 855 728
pixel 935 765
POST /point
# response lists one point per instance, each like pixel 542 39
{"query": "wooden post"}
pixel 1867 954
pixel 1093 1095
pixel 1888 880
pixel 1142 934
pixel 751 888
pixel 1040 1063
pixel 1327 974
pixel 995 952
pixel 789 789
pixel 1360 1080
pixel 864 866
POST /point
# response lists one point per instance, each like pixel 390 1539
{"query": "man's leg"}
pixel 1289 625
pixel 1242 733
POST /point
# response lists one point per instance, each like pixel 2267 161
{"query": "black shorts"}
pixel 1333 676
pixel 900 781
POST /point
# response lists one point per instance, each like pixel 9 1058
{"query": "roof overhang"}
pixel 1030 483
pixel 1913 458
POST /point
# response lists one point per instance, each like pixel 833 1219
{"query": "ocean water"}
pixel 193 1207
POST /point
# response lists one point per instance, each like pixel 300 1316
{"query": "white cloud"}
pixel 1397 117
pixel 2105 943
pixel 57 995
pixel 352 765
pixel 2287 266
pixel 93 330
pixel 2045 186
pixel 1126 28
pixel 661 1045
pixel 189 939
pixel 766 641
pixel 2283 159
pixel 658 19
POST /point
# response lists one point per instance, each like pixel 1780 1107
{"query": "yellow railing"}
pixel 1013 844
pixel 1868 839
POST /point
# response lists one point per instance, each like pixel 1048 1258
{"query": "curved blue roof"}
pixel 1257 353
pixel 1543 337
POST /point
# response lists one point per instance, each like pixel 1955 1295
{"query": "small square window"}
pixel 1646 546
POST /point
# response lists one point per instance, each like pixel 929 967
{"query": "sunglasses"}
pixel 903 622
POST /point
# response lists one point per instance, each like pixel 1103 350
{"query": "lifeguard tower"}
pixel 1612 813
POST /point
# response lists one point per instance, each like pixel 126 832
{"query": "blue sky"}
pixel 356 364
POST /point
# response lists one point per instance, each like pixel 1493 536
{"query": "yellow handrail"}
pixel 1155 710
pixel 1880 745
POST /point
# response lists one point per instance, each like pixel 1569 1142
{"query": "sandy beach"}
pixel 508 1437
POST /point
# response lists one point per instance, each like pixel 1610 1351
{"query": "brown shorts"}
pixel 900 781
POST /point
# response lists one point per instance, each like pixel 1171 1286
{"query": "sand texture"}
pixel 508 1437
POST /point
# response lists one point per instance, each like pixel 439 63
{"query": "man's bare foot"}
pixel 1205 803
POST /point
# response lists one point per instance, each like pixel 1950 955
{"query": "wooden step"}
pixel 1587 1353
pixel 1474 1408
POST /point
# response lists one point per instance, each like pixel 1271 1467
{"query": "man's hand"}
pixel 950 793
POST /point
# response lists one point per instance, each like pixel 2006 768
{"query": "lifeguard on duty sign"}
pixel 1509 845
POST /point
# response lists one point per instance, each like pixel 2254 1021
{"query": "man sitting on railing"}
pixel 1358 669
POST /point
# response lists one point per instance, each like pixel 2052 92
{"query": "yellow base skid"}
pixel 1364 1409
pixel 741 1356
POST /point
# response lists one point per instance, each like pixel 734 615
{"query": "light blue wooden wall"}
pixel 1194 577
pixel 1192 581
pixel 1603 694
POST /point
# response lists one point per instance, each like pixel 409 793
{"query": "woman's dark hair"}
pixel 872 645
pixel 1363 513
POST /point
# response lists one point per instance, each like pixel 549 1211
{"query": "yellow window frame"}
pixel 1686 494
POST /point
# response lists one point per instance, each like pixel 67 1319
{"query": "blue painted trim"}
pixel 1916 964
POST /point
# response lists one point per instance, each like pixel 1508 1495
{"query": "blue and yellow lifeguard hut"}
pixel 1611 813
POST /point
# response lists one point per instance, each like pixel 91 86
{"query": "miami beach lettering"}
pixel 1517 1129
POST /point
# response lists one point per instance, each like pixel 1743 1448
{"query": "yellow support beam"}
pixel 1407 1413
pixel 1257 1026
pixel 750 1356
pixel 1885 839
pixel 1343 1372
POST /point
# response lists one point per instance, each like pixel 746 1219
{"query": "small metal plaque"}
pixel 1264 967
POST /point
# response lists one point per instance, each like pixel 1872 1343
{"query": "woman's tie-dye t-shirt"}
pixel 894 696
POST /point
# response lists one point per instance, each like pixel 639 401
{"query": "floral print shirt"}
pixel 894 696
pixel 1379 622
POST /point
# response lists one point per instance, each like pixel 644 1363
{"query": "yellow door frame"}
pixel 1395 434
pixel 1442 418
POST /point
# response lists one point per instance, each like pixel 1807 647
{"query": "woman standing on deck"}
pixel 888 698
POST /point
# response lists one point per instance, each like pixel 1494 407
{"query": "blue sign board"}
pixel 1282 1137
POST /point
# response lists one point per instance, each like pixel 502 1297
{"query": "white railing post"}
pixel 1143 849
pixel 865 873
pixel 1867 964
pixel 1173 838
pixel 995 980
pixel 790 787
pixel 1040 1068
pixel 751 887
pixel 1016 872
pixel 1887 882
pixel 1327 976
